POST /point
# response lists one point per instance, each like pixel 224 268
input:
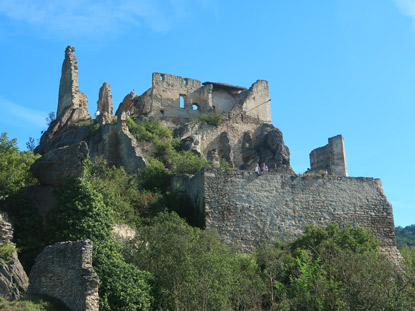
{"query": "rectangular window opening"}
pixel 182 101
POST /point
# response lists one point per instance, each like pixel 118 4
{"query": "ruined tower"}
pixel 69 94
pixel 330 157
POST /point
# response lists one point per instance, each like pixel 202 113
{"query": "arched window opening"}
pixel 182 101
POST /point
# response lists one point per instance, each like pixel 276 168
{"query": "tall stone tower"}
pixel 69 93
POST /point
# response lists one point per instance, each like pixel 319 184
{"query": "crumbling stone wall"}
pixel 330 157
pixel 64 271
pixel 248 209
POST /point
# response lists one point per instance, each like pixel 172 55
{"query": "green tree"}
pixel 14 167
pixel 194 270
pixel 81 213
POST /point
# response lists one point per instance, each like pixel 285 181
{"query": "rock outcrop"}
pixel 70 97
pixel 64 271
pixel 54 166
pixel 13 278
pixel 126 104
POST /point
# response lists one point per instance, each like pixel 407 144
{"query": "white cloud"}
pixel 11 113
pixel 91 17
pixel 407 7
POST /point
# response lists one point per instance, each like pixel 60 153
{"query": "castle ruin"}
pixel 240 205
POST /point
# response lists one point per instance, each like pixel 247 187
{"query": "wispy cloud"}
pixel 14 114
pixel 91 17
pixel 407 7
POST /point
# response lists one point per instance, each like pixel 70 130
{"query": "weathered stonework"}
pixel 179 100
pixel 330 158
pixel 69 94
pixel 249 209
pixel 64 271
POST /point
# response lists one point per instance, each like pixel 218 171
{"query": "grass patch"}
pixel 215 118
pixel 6 251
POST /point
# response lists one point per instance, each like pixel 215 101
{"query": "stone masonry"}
pixel 331 157
pixel 64 271
pixel 248 209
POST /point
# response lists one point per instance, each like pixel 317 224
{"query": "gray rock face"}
pixel 69 94
pixel 55 165
pixel 13 278
pixel 127 104
pixel 64 271
pixel 105 100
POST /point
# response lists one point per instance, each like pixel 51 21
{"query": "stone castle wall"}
pixel 248 209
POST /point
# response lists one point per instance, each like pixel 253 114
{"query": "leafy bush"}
pixel 81 213
pixel 215 118
pixel 405 236
pixel 14 167
pixel 119 190
pixel 333 269
pixel 155 176
pixel 186 162
pixel 6 251
pixel 149 130
pixel 194 270
pixel 32 303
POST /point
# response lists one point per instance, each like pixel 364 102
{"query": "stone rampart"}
pixel 248 208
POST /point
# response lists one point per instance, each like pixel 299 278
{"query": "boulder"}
pixel 64 271
pixel 54 166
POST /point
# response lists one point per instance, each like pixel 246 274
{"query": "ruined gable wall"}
pixel 257 101
pixel 223 101
pixel 166 92
pixel 330 157
pixel 247 209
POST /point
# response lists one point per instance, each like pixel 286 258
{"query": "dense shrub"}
pixel 194 270
pixel 405 236
pixel 14 166
pixel 149 130
pixel 80 214
pixel 6 251
pixel 333 269
pixel 215 119
pixel 155 176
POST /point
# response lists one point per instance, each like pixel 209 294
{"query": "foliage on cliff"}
pixel 171 265
pixel 81 213
pixel 14 166
pixel 168 150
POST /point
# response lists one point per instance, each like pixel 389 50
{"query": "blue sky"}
pixel 334 67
